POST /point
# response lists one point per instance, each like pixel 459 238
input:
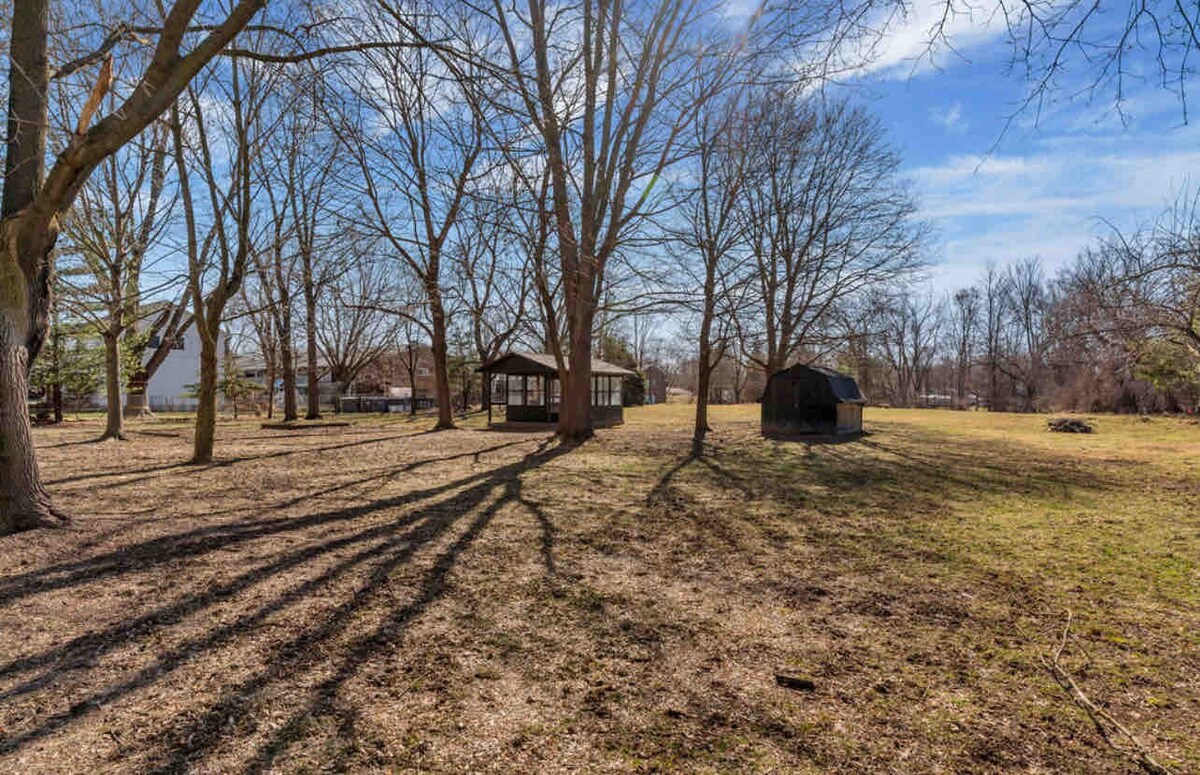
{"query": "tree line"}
pixel 1113 331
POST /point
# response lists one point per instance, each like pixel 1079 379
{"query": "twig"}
pixel 1109 729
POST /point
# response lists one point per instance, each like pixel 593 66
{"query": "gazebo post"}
pixel 487 393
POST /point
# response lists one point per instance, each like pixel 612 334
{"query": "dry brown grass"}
pixel 379 597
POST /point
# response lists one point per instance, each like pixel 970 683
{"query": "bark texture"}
pixel 206 411
pixel 114 427
pixel 24 503
pixel 441 368
pixel 34 201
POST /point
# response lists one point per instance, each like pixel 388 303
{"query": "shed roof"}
pixel 544 363
pixel 844 388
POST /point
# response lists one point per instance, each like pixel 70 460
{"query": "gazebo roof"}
pixel 544 363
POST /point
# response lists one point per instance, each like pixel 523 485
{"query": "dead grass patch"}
pixel 377 596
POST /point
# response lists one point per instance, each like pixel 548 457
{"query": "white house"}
pixel 169 389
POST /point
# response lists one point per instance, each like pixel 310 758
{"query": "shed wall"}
pixel 849 418
pixel 802 402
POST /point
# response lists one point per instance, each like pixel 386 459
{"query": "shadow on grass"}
pixel 868 497
pixel 817 439
pixel 378 549
pixel 194 543
pixel 843 508
pixel 221 463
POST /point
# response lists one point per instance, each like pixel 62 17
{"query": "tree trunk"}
pixel 700 430
pixel 24 503
pixel 206 412
pixel 441 370
pixel 288 363
pixel 310 345
pixel 704 363
pixel 114 428
pixel 137 404
pixel 269 378
pixel 703 380
pixel 575 413
pixel 26 239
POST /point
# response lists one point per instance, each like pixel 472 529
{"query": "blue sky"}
pixel 1041 187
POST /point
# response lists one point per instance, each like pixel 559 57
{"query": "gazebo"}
pixel 529 387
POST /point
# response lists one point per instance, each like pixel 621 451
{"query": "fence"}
pixel 382 404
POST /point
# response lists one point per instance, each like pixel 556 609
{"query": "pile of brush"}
pixel 1069 425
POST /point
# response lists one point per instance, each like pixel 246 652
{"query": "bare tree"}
pixel 1082 47
pixel 311 159
pixel 276 265
pixel 909 343
pixel 964 310
pixel 607 91
pixel 35 200
pixel 709 237
pixel 217 263
pixel 1026 338
pixel 494 284
pixel 536 234
pixel 1148 280
pixel 995 317
pixel 416 141
pixel 826 217
pixel 406 342
pixel 116 218
pixel 254 309
pixel 350 329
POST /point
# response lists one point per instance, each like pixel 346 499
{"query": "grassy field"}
pixel 381 597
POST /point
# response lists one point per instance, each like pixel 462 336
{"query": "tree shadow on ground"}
pixel 378 548
pixel 172 547
pixel 128 476
pixel 851 536
pixel 633 601
pixel 224 535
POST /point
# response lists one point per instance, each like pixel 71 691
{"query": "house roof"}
pixel 844 388
pixel 544 363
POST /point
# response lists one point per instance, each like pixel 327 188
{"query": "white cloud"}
pixel 1050 202
pixel 951 117
pixel 926 34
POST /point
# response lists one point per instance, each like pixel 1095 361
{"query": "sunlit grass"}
pixel 617 605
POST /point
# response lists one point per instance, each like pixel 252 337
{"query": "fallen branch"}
pixel 1118 737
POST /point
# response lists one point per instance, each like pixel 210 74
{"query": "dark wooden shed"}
pixel 528 387
pixel 811 400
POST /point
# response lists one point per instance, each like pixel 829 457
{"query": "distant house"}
pixel 255 370
pixel 811 400
pixel 528 388
pixel 170 388
pixel 656 384
pixel 389 374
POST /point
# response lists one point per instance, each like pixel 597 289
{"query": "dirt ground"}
pixel 379 597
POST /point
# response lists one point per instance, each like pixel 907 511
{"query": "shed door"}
pixel 849 418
